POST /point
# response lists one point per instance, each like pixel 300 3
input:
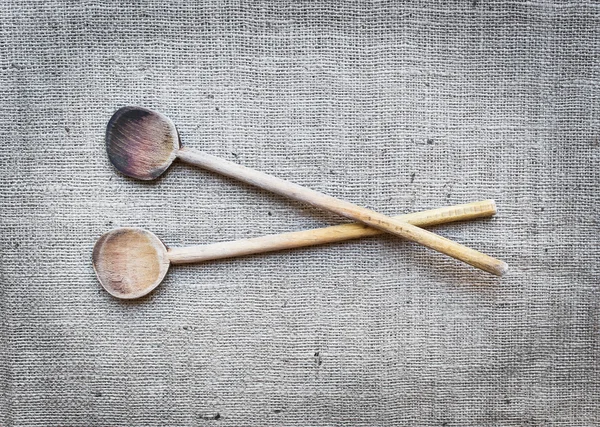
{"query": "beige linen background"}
pixel 399 106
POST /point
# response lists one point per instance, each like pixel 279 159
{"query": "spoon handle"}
pixel 321 236
pixel 343 208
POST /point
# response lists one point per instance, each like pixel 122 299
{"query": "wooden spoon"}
pixel 142 143
pixel 131 262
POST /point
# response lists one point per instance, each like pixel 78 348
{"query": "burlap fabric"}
pixel 396 106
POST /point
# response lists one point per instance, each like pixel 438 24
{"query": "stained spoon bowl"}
pixel 130 262
pixel 141 143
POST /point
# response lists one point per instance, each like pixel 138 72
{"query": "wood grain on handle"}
pixel 320 236
pixel 346 209
pixel 343 208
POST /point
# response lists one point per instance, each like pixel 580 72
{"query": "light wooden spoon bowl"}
pixel 130 262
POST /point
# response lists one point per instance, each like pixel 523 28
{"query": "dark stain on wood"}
pixel 141 143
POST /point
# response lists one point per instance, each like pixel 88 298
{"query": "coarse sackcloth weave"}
pixel 399 106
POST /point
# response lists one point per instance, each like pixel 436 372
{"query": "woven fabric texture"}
pixel 396 106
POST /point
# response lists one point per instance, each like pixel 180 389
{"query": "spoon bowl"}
pixel 130 262
pixel 141 143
